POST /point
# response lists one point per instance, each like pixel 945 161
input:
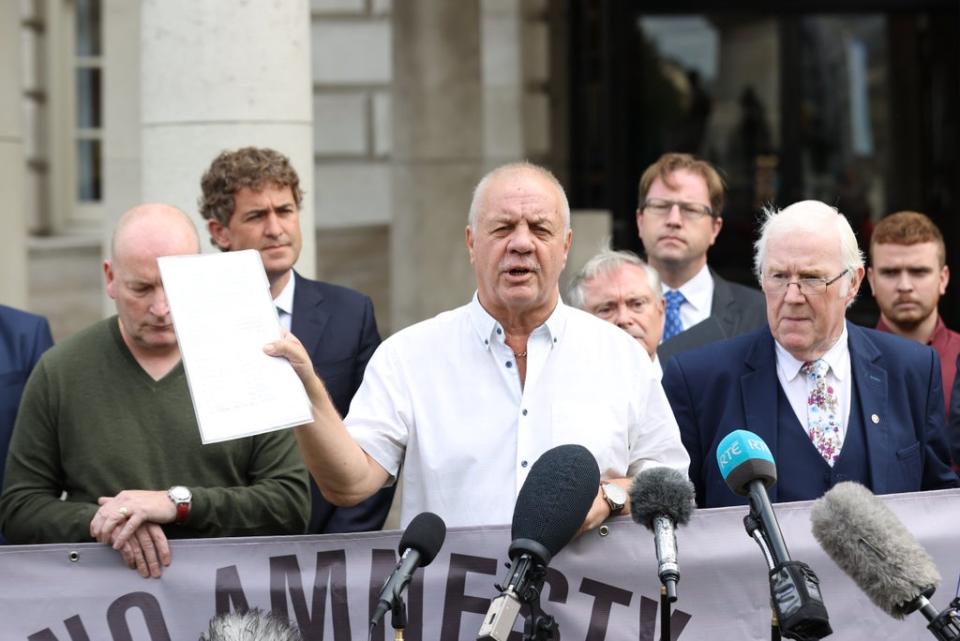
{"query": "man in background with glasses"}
pixel 678 219
pixel 833 401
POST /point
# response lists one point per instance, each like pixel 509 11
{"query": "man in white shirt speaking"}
pixel 461 405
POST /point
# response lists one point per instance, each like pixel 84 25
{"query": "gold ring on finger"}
pixel 124 511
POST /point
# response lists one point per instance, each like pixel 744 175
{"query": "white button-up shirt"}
pixel 442 406
pixel 284 303
pixel 698 298
pixel 795 385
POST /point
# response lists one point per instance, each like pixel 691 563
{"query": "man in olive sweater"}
pixel 106 445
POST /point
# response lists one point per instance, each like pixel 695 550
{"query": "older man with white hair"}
pixel 620 288
pixel 833 401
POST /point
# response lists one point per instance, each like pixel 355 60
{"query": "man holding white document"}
pixel 106 445
pixel 460 406
pixel 251 199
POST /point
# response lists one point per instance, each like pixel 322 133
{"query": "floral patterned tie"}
pixel 823 409
pixel 671 324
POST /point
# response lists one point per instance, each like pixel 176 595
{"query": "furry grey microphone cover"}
pixel 661 491
pixel 871 545
pixel 252 625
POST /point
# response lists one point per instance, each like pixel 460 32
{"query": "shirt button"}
pixel 499 331
pixel 486 342
pixel 524 412
pixel 509 364
pixel 523 463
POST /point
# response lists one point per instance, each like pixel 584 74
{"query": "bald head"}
pixel 515 170
pixel 142 235
pixel 154 229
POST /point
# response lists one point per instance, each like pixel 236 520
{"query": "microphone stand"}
pixel 398 618
pixel 539 626
pixel 664 614
pixel 945 625
pixel 751 524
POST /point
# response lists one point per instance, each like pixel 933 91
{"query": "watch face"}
pixel 615 493
pixel 179 494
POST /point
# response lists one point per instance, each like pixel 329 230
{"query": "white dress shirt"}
pixel 284 303
pixel 657 367
pixel 698 292
pixel 794 384
pixel 441 404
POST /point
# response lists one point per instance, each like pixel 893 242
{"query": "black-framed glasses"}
pixel 778 283
pixel 690 211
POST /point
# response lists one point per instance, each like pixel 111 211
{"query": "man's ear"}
pixel 110 278
pixel 219 233
pixel 717 224
pixel 468 239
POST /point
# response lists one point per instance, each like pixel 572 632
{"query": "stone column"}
pixel 218 75
pixel 438 154
pixel 13 247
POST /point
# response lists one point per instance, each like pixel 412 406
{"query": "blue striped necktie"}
pixel 672 325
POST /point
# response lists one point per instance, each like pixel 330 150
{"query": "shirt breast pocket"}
pixel 596 427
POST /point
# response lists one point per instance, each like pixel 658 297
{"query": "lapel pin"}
pixel 874 418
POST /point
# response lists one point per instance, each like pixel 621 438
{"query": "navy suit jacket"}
pixel 734 310
pixel 953 421
pixel 733 385
pixel 337 327
pixel 23 338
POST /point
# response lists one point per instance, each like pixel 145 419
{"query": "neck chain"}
pixel 522 354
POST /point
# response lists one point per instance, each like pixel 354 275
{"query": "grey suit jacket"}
pixel 736 310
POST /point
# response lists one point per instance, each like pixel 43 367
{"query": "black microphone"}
pixel 748 468
pixel 551 506
pixel 874 548
pixel 418 546
pixel 662 498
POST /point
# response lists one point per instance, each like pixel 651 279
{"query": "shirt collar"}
pixel 837 357
pixel 284 302
pixel 488 328
pixel 698 290
pixel 939 332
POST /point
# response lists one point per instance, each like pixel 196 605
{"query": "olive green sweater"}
pixel 92 422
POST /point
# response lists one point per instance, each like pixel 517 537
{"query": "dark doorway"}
pixel 852 103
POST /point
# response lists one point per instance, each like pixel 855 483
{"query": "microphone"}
pixel 874 548
pixel 418 546
pixel 747 466
pixel 662 498
pixel 551 506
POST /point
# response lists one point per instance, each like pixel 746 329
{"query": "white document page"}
pixel 223 315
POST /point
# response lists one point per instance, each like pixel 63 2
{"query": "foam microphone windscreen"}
pixel 871 545
pixel 661 491
pixel 425 534
pixel 556 496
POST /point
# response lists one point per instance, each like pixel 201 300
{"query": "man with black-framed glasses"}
pixel 678 220
pixel 833 401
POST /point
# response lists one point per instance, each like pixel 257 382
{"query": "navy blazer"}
pixel 337 327
pixel 23 338
pixel 733 384
pixel 734 310
pixel 953 421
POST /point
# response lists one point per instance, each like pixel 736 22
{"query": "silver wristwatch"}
pixel 615 496
pixel 181 498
